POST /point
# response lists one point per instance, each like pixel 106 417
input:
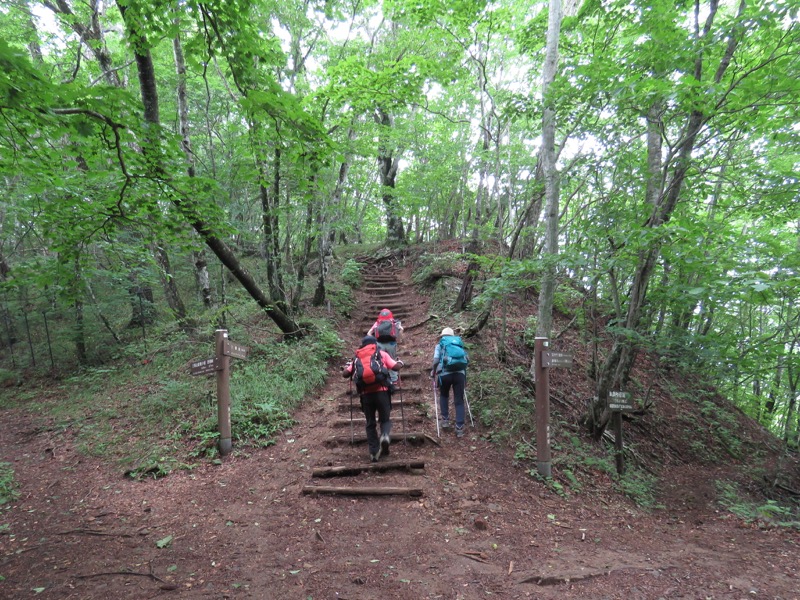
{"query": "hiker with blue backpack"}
pixel 450 360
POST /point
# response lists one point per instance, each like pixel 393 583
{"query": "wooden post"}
pixel 616 422
pixel 223 393
pixel 541 374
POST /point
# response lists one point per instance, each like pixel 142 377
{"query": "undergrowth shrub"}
pixel 723 426
pixel 351 273
pixel 8 485
pixel 434 266
pixel 499 403
pixel 770 513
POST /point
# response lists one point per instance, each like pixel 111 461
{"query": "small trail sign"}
pixel 620 401
pixel 556 359
pixel 205 367
pixel 234 350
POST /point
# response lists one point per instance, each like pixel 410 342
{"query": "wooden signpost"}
pixel 220 364
pixel 544 360
pixel 618 403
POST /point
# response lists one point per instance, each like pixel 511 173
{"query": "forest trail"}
pixel 482 527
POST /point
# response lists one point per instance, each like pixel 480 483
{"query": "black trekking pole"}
pixel 352 433
pixel 402 412
pixel 436 406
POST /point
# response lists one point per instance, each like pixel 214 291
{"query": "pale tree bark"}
pixel 202 278
pixel 551 176
pixel 270 207
pixel 34 47
pixel 326 240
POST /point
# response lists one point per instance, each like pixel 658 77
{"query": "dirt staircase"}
pixel 386 285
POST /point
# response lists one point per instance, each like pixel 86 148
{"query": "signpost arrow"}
pixel 234 350
pixel 205 367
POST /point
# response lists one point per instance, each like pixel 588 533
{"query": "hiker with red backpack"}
pixel 386 330
pixel 450 360
pixel 370 368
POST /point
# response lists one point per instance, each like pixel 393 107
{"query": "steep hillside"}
pixel 453 517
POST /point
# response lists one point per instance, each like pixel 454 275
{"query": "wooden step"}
pixel 408 405
pixel 366 491
pixel 347 470
pixel 359 422
pixel 417 437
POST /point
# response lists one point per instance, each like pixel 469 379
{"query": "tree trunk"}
pixel 202 277
pixel 551 175
pixel 91 35
pixel 171 293
pixel 388 163
pixel 270 204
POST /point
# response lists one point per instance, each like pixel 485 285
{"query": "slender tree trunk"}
pixel 551 175
pixel 202 277
pixel 173 297
pixel 270 204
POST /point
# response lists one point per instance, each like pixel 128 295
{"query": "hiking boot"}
pixel 459 431
pixel 444 423
pixel 385 441
pixel 374 457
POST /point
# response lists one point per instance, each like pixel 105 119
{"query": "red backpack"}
pixel 368 368
pixel 387 329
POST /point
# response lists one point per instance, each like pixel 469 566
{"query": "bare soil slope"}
pixel 481 528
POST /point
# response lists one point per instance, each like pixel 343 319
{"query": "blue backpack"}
pixel 452 356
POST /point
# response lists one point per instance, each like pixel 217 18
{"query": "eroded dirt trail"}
pixel 482 527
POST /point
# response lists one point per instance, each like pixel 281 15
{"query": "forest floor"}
pixel 482 527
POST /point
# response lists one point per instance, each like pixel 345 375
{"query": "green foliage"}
pixel 9 488
pixel 498 402
pixel 724 427
pixel 771 513
pixel 529 333
pixel 431 267
pixel 639 486
pixel 351 273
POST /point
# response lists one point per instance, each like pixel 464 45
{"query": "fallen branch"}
pixel 787 489
pixel 415 325
pixel 567 578
pixel 97 532
pixel 151 575
pixel 476 556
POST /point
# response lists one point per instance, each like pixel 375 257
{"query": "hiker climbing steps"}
pixel 386 294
